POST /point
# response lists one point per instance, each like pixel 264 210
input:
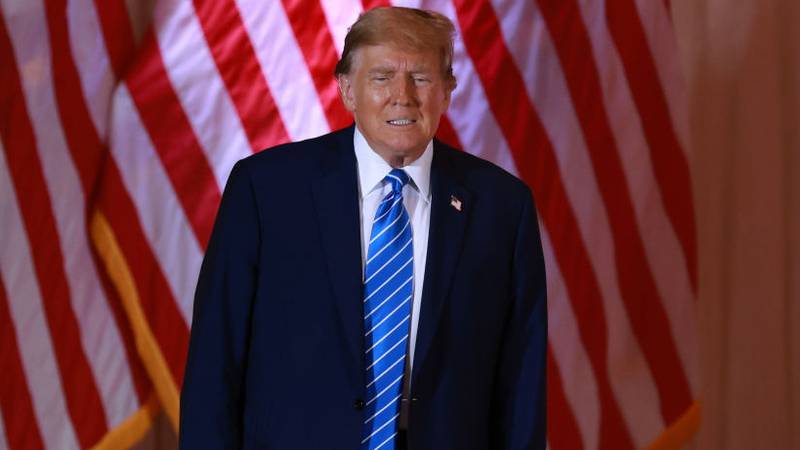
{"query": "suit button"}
pixel 359 404
pixel 414 399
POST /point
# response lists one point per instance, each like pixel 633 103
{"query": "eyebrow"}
pixel 381 70
pixel 389 70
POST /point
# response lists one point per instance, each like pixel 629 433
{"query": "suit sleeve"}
pixel 519 404
pixel 213 384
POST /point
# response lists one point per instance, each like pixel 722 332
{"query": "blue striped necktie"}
pixel 388 290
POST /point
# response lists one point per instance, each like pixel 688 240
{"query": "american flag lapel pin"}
pixel 455 202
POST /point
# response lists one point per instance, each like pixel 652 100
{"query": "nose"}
pixel 404 92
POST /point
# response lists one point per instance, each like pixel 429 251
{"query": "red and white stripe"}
pixel 99 336
pixel 295 96
pixel 37 371
pixel 582 99
pixel 75 369
pixel 148 184
pixel 193 78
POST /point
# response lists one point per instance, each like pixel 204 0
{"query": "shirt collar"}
pixel 372 169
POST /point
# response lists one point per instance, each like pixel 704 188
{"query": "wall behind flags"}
pixel 742 60
pixel 660 138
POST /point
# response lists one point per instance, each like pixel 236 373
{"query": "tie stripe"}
pixel 391 278
pixel 387 299
pixel 387 262
pixel 388 292
pixel 380 252
pixel 384 373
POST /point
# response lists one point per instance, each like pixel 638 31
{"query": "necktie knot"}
pixel 397 178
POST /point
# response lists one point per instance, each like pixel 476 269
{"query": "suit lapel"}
pixel 450 207
pixel 337 208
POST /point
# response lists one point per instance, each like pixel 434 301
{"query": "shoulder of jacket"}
pixel 477 172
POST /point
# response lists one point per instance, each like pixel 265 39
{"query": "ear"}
pixel 451 86
pixel 346 92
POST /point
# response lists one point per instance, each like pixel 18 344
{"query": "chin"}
pixel 408 140
pixel 407 148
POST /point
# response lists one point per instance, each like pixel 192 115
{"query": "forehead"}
pixel 395 58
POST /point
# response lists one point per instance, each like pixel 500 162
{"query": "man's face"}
pixel 397 98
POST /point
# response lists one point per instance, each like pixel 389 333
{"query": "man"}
pixel 372 288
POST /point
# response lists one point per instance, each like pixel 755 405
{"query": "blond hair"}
pixel 408 28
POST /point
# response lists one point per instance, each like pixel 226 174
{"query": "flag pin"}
pixel 455 202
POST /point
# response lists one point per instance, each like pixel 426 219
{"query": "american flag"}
pixel 120 121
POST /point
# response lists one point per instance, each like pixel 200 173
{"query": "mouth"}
pixel 401 122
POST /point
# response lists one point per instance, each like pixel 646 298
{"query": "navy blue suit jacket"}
pixel 276 357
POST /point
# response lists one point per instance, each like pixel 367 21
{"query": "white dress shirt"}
pixel 417 199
